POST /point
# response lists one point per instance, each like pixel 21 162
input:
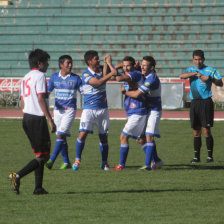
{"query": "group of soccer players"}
pixel 142 90
pixel 142 103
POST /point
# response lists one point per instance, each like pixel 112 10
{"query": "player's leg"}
pixel 207 123
pixel 85 127
pixel 64 130
pixel 103 125
pixel 36 129
pixel 196 125
pixel 132 129
pixel 152 131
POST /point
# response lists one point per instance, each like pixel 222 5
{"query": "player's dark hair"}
pixel 130 59
pixel 36 56
pixel 199 53
pixel 89 55
pixel 62 59
pixel 150 59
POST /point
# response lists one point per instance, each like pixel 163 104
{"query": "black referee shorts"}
pixel 36 130
pixel 202 113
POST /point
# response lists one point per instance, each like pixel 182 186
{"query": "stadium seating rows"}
pixel 168 30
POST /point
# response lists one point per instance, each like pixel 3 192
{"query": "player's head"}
pixel 92 60
pixel 65 63
pixel 128 64
pixel 148 65
pixel 39 59
pixel 198 58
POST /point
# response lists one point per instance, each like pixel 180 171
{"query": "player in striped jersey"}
pixel 66 84
pixel 95 110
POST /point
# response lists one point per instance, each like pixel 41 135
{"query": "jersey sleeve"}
pixel 41 84
pixel 21 88
pixel 216 75
pixel 135 76
pixel 86 77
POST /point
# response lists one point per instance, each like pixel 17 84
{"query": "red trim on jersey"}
pixel 41 93
pixel 34 69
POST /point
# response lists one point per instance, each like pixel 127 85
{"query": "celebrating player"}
pixel 202 108
pixel 135 108
pixel 66 85
pixel 151 89
pixel 34 106
pixel 95 111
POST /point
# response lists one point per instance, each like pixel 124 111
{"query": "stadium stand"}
pixel 167 29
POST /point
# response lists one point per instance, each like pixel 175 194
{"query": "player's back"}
pixel 33 83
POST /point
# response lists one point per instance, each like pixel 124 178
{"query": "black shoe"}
pixel 39 191
pixel 195 160
pixel 209 160
pixel 15 181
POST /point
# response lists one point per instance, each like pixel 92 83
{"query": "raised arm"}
pixel 99 82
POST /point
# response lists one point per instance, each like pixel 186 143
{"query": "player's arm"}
pixel 44 108
pixel 217 82
pixel 123 78
pixel 22 103
pixel 187 75
pixel 99 82
pixel 134 94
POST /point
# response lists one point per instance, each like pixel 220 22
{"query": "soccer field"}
pixel 179 193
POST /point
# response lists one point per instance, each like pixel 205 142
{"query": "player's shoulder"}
pixel 209 69
pixel 86 73
pixel 54 75
pixel 73 75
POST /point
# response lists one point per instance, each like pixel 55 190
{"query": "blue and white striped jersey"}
pixel 94 96
pixel 152 90
pixel 135 105
pixel 198 88
pixel 65 90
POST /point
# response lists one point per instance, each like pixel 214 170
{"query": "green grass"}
pixel 179 193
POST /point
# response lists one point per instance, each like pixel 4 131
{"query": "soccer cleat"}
pixel 195 160
pixel 39 191
pixel 157 165
pixel 119 167
pixel 49 164
pixel 76 165
pixel 144 168
pixel 105 166
pixel 65 166
pixel 209 160
pixel 15 182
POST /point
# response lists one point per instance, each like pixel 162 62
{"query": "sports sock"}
pixel 31 166
pixel 104 151
pixel 57 149
pixel 210 145
pixel 155 157
pixel 124 154
pixel 144 147
pixel 148 154
pixel 197 147
pixel 39 173
pixel 64 152
pixel 79 147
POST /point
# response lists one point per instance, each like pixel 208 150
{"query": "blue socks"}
pixel 64 152
pixel 79 147
pixel 149 153
pixel 124 154
pixel 104 151
pixel 57 149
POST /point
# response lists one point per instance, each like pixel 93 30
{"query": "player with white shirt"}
pixel 95 110
pixel 35 109
pixel 66 85
pixel 151 89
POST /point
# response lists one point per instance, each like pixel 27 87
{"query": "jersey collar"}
pixel 94 72
pixel 59 75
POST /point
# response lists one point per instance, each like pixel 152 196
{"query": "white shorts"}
pixel 63 120
pixel 152 127
pixel 135 126
pixel 99 117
